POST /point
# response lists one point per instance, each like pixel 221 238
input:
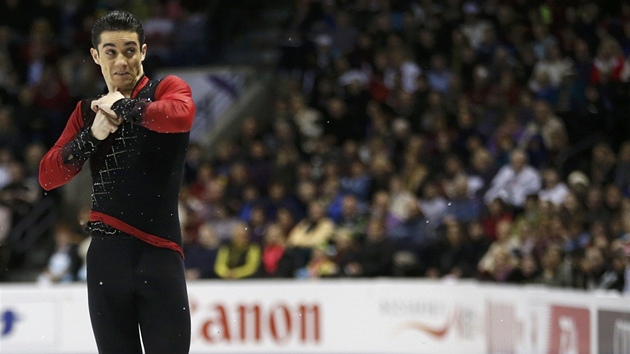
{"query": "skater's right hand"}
pixel 104 124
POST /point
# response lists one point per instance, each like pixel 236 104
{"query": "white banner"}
pixel 343 316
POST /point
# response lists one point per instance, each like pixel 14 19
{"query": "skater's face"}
pixel 120 57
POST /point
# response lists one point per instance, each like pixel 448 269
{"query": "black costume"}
pixel 135 261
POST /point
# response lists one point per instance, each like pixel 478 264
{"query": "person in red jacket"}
pixel 135 138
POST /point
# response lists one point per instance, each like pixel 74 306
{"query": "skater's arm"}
pixel 66 158
pixel 172 111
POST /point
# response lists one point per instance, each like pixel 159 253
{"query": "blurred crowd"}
pixel 487 140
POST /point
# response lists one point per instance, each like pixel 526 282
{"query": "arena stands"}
pixel 444 139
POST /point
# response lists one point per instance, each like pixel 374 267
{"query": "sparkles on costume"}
pixel 135 260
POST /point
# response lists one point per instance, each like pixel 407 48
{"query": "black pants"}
pixel 135 288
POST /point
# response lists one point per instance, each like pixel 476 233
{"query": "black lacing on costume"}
pixel 130 109
pixel 102 231
pixel 79 149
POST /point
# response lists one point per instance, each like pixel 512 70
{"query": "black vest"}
pixel 137 173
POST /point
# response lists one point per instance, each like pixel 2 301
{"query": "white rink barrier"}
pixel 343 316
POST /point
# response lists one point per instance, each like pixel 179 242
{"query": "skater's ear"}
pixel 95 57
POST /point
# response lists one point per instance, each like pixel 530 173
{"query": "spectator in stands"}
pixel 213 198
pixel 380 170
pixel 320 265
pixel 609 64
pixel 514 182
pixel 594 206
pixel 380 207
pixel 579 183
pixel 239 258
pixel 494 213
pixel 478 242
pixel 467 133
pixel 399 198
pixel 474 26
pixel 195 158
pixel 357 181
pixel 276 261
pixel 189 46
pixel 452 170
pixel 285 164
pixel 32 154
pixel 525 271
pixel 351 217
pixel 453 256
pixel 402 72
pixel 602 165
pixel 259 164
pixel 223 222
pixel 20 195
pixel 433 204
pixel 463 206
pixel 279 197
pixel 571 208
pixel 257 225
pixel 553 66
pixel 250 201
pixel 438 75
pixel 33 125
pixel 52 98
pixel 341 126
pixel 554 190
pixel 414 233
pixel 238 180
pixel 201 256
pixel 159 30
pixel 576 236
pixel 503 264
pixel 286 220
pixel 614 278
pixel 11 138
pixel 554 272
pixel 64 261
pixel 308 122
pixel 204 174
pixel 227 153
pixel 613 201
pixel 313 231
pixel 374 256
pixel 345 245
pixel 548 126
pixel 498 259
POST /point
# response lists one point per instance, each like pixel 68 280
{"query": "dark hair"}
pixel 117 21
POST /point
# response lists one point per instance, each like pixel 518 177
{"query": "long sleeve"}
pixel 249 268
pixel 498 183
pixel 252 263
pixel 172 111
pixel 304 235
pixel 66 158
pixel 221 263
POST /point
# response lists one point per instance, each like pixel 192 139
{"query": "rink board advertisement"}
pixel 342 316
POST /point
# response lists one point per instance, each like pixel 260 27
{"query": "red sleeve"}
pixel 173 110
pixel 53 172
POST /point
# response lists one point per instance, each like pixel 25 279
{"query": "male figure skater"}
pixel 135 137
